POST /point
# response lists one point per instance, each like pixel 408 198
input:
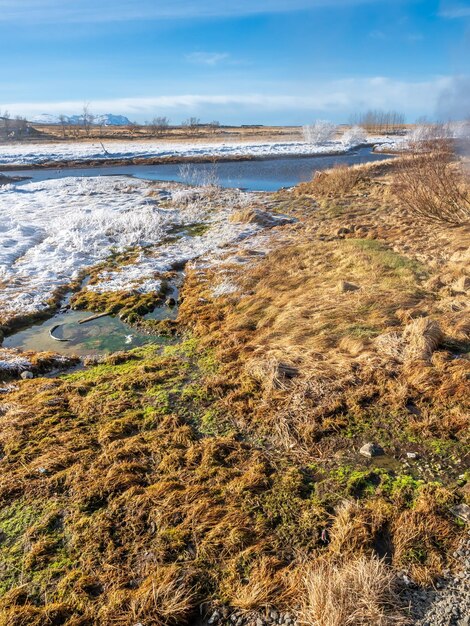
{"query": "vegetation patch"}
pixel 225 469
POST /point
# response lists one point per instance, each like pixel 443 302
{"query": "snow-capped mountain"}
pixel 108 119
pixel 112 120
pixel 45 118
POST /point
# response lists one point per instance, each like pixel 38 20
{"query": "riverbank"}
pixel 92 154
pixel 299 451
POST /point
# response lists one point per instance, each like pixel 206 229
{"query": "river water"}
pixel 255 175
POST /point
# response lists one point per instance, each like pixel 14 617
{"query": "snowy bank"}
pixel 51 231
pixel 36 154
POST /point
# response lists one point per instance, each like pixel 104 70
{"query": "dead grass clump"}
pixel 355 593
pixel 422 337
pixel 271 373
pixel 166 597
pixel 257 216
pixel 417 343
pixel 423 535
pixel 264 586
pixel 352 531
pixel 336 182
pixel 433 187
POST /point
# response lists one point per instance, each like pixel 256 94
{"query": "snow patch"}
pixel 31 154
pixel 51 231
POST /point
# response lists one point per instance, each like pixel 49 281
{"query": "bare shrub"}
pixel 354 136
pixel 319 132
pixel 191 175
pixel 424 136
pixel 356 593
pixel 431 184
pixel 159 125
pixel 380 121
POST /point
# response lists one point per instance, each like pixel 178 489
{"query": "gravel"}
pixel 448 604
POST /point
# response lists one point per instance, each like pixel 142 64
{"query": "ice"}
pixel 51 231
pixel 11 362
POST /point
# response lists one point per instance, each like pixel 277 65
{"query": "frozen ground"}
pixel 52 230
pixel 31 154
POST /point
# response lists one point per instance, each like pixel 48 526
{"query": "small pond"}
pixel 103 335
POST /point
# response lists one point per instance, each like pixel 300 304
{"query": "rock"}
pixel 343 231
pixel 462 511
pixel 27 375
pixel 170 302
pixel 412 455
pixel 371 449
pixel 362 230
pixel 344 286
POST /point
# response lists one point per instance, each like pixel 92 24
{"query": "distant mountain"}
pixel 45 118
pixel 108 119
pixel 112 120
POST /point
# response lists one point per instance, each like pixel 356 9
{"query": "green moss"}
pixel 367 483
pixel 290 511
pixel 190 230
pixel 32 545
pixel 385 257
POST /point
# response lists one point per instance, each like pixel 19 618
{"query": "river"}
pixel 255 175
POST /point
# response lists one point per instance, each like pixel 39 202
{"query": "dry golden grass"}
pixel 172 134
pixel 155 483
pixel 338 181
pixel 356 593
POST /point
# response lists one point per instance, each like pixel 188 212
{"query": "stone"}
pixel 171 302
pixel 462 511
pixel 344 286
pixel 412 455
pixel 27 375
pixel 343 231
pixel 371 449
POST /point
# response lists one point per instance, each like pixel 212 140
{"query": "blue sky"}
pixel 237 61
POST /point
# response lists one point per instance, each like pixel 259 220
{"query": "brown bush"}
pixel 432 185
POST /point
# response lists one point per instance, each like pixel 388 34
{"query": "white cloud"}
pixel 331 98
pixel 454 10
pixel 207 58
pixel 110 10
